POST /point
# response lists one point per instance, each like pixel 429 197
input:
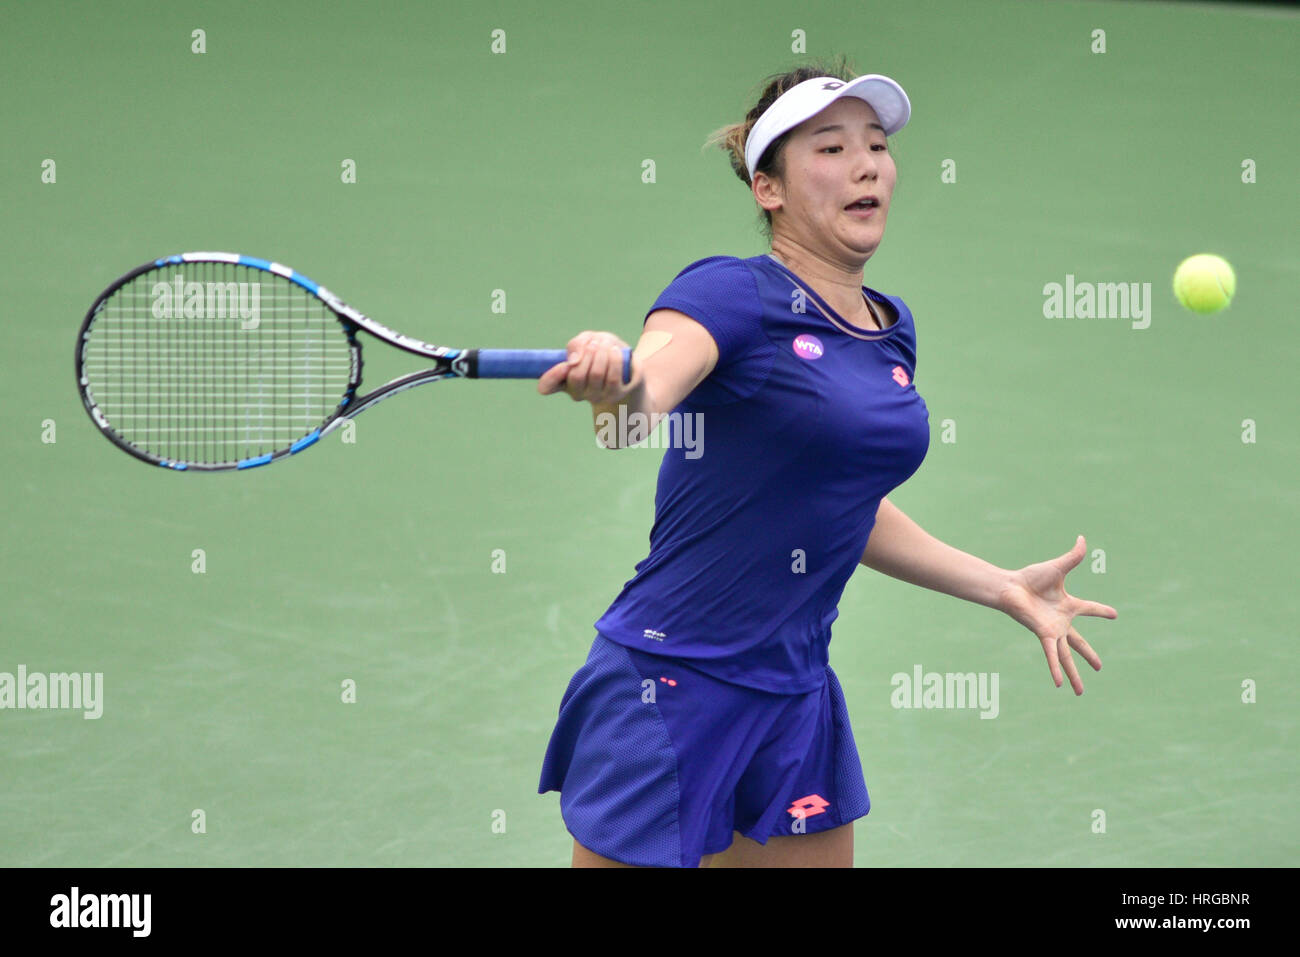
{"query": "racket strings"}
pixel 215 363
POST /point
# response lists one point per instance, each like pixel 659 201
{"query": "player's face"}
pixel 832 160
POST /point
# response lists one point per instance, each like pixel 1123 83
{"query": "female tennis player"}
pixel 706 727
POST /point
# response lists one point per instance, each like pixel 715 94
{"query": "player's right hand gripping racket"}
pixel 215 361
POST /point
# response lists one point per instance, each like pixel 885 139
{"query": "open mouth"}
pixel 867 202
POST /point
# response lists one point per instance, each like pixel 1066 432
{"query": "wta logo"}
pixel 808 347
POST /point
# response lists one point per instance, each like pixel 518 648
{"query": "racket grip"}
pixel 529 363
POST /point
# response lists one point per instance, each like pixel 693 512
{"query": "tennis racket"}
pixel 208 362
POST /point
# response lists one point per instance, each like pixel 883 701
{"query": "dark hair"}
pixel 732 138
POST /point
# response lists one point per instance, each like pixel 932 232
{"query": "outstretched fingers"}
pixel 1094 608
pixel 1085 649
pixel 1067 659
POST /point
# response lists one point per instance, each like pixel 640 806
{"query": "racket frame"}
pixel 450 363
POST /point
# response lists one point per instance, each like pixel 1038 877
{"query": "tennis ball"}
pixel 1204 283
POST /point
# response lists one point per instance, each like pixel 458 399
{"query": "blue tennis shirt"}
pixel 807 423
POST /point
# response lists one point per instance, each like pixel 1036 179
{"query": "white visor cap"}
pixel 812 96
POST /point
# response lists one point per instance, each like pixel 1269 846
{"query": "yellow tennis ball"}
pixel 1204 283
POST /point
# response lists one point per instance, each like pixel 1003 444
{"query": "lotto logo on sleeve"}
pixel 808 347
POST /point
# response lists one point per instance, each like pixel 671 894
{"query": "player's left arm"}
pixel 1034 595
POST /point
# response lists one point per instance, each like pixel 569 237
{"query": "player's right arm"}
pixel 674 355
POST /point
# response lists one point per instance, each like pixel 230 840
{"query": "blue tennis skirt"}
pixel 657 764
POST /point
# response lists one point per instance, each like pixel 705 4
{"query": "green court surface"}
pixel 522 171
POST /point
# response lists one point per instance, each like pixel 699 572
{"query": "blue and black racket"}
pixel 215 361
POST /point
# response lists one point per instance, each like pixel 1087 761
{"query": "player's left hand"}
pixel 1038 600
